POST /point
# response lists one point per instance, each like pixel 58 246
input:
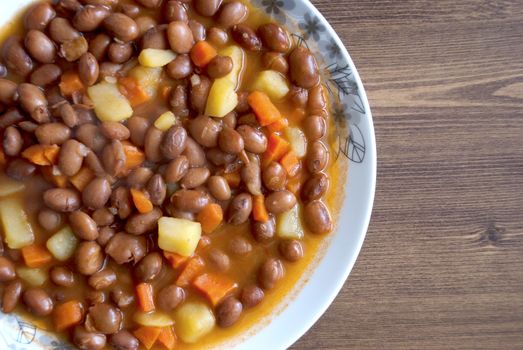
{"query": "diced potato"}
pixel 148 78
pixel 193 321
pixel 178 235
pixel 18 232
pixel 109 103
pixel 165 121
pixel 288 224
pixel 222 98
pixel 298 141
pixel 62 244
pixel 273 83
pixel 35 277
pixel 155 57
pixel 236 54
pixel 9 186
pixel 153 319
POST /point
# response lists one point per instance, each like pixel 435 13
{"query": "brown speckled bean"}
pixel 88 69
pixel 45 74
pixel 121 26
pixel 317 217
pixel 239 209
pixel 39 46
pixel 52 133
pixel 71 157
pixel 38 16
pixel 12 142
pixel 62 199
pixel 180 37
pixel 96 193
pixel 83 225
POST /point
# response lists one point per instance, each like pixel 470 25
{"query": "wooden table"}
pixel 442 264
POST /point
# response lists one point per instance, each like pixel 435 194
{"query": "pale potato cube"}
pixel 297 140
pixel 109 103
pixel 193 321
pixel 178 235
pixel 165 121
pixel 237 55
pixel 148 78
pixel 153 319
pixel 62 244
pixel 273 83
pixel 35 277
pixel 222 98
pixel 9 186
pixel 155 57
pixel 288 224
pixel 18 232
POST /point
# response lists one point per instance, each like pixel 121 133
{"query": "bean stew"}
pixel 166 170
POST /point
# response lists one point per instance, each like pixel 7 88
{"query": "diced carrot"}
pixel 147 335
pixel 210 217
pixel 192 269
pixel 42 154
pixel 298 115
pixel 67 315
pixel 214 287
pixel 278 125
pixel 134 157
pixel 54 177
pixel 82 178
pixel 202 53
pixel 36 256
pixel 176 260
pixel 141 201
pixel 70 83
pixel 145 296
pixel 259 211
pixel 233 179
pixel 291 163
pixel 266 112
pixel 277 147
pixel 294 185
pixel 134 92
pixel 167 338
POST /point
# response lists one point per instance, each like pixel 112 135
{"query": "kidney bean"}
pixel 7 270
pixel 189 200
pixel 170 297
pixel 61 30
pixel 103 318
pixel 105 234
pixel 230 141
pixel 115 130
pixel 239 209
pixel 39 46
pixel 38 16
pixel 89 258
pixel 19 169
pixel 62 276
pixel 197 29
pixel 270 272
pixel 157 189
pixel 254 139
pixel 219 66
pixel 122 27
pixel 230 120
pixel 180 68
pixel 205 130
pixel 121 297
pixel 68 115
pixel 263 231
pixel 176 169
pixel 251 175
pixel 251 296
pixel 275 61
pixel 34 102
pixel 137 127
pixel 274 37
pixel 45 75
pixel 217 36
pixel 219 188
pixel 102 279
pixel 199 92
pixel 149 267
pixel 103 217
pixel 85 340
pixel 12 142
pixel 219 260
pixel 232 13
pixel 207 8
pixel 94 297
pixel 178 101
pixel 152 144
pixel 90 17
pixel 130 10
pixel 246 37
pixel 52 133
pixel 317 217
pixel 88 69
pixel 194 153
pixel 298 96
pixel 124 340
pixel 90 135
pixel 228 312
pixel 109 69
pixel 314 187
pixel 49 219
pixel 155 38
pixel 303 68
pixel 62 199
pixel 317 157
pixel 239 246
pixel 280 201
pixel 138 224
pixel 99 45
pixel 174 142
pixel 121 200
pixel 12 293
pixel 139 177
pixel 180 37
pixel 83 225
pixel 145 23
pixel 106 3
pixel 120 52
pixel 243 104
pixel 28 126
pixel 274 177
pixel 175 11
pixel 150 3
pixel 96 193
pixel 291 250
pixel 195 177
pixel 73 49
pixel 314 127
pixel 71 157
pixel 38 301
pixel 124 248
pixel 8 92
pixel 218 157
pixel 113 158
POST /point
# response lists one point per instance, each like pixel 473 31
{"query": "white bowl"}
pixel 334 263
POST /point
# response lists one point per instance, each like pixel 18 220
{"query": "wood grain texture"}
pixel 442 264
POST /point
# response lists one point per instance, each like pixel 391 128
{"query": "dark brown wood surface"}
pixel 442 264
